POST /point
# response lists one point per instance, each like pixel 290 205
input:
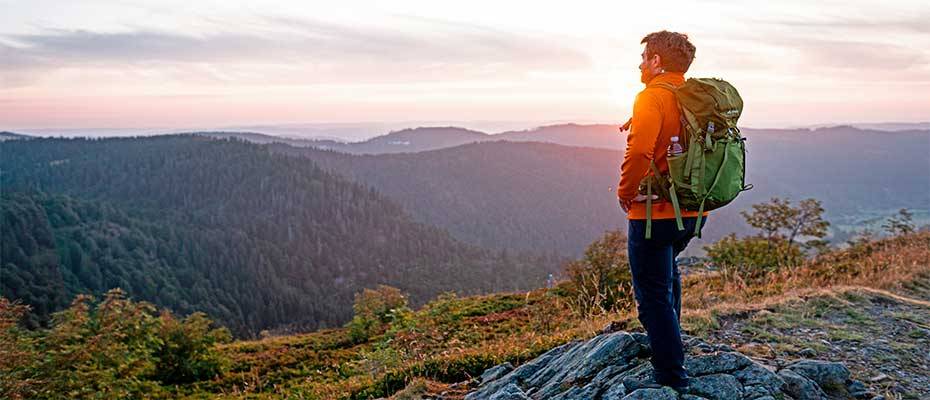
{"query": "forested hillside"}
pixel 503 194
pixel 547 196
pixel 256 240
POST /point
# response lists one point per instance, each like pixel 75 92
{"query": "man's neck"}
pixel 667 77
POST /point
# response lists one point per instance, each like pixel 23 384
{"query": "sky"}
pixel 82 64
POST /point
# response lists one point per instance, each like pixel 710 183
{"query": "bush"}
pixel 116 348
pixel 785 233
pixel 101 350
pixel 188 349
pixel 17 353
pixel 374 308
pixel 752 257
pixel 600 281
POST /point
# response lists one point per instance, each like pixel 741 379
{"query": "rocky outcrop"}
pixel 615 366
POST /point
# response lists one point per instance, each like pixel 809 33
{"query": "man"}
pixel 656 281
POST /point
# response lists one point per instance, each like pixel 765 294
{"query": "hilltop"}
pixel 867 308
pixel 845 324
pixel 4 135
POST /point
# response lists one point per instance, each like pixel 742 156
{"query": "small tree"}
pixel 600 281
pixel 776 245
pixel 777 219
pixel 373 309
pixel 188 349
pixel 900 224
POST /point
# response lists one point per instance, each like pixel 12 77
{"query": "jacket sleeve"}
pixel 640 144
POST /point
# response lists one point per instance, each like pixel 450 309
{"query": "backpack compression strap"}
pixel 697 226
pixel 672 194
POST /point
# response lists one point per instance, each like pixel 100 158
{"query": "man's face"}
pixel 649 67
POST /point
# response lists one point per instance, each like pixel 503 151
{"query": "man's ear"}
pixel 657 60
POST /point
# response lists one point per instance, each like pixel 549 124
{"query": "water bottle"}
pixel 675 148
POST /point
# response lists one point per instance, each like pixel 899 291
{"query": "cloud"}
pixel 908 24
pixel 327 50
pixel 858 55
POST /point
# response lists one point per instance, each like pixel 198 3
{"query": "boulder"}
pixel 615 366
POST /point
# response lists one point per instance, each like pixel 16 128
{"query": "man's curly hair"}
pixel 676 51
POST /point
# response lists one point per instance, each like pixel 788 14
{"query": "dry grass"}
pixel 886 265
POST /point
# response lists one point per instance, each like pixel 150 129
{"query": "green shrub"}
pixel 116 348
pixel 104 350
pixel 600 281
pixel 374 308
pixel 754 256
pixel 17 354
pixel 188 349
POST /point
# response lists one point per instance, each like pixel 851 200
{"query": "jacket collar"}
pixel 675 78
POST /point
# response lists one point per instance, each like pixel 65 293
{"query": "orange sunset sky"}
pixel 192 63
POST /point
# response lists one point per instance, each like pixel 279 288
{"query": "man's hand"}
pixel 627 204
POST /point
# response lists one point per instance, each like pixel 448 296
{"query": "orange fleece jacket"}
pixel 656 119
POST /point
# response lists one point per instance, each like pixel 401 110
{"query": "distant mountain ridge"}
pixel 13 136
pixel 603 136
pixel 533 195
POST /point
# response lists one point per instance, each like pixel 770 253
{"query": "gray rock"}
pixel 665 393
pixel 716 387
pixel 615 366
pixel 521 373
pixel 756 374
pixel 755 392
pixel 858 390
pixel 808 352
pixel 495 372
pixel 581 364
pixel 691 397
pixel 509 392
pixel 716 363
pixel 639 376
pixel 801 388
pixel 828 375
pixel 615 390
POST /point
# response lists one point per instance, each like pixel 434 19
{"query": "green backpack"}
pixel 711 171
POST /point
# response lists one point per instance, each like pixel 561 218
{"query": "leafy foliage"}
pixel 600 281
pixel 188 352
pixel 900 224
pixel 776 245
pixel 116 348
pixel 754 256
pixel 17 353
pixel 373 309
pixel 778 220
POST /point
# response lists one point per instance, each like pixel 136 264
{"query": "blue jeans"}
pixel 657 288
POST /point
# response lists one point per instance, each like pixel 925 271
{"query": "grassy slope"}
pixel 868 306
